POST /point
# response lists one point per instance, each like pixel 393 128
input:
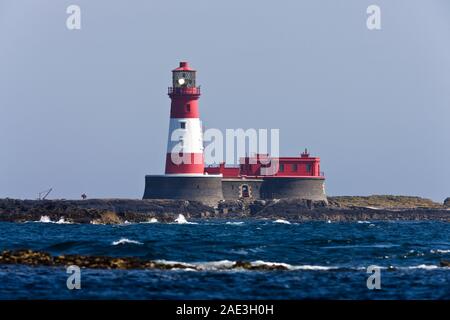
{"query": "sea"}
pixel 324 260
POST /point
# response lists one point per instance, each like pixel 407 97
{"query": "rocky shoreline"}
pixel 38 258
pixel 118 211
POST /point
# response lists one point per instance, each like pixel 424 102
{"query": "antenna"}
pixel 43 194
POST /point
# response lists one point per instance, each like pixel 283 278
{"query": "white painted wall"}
pixel 192 136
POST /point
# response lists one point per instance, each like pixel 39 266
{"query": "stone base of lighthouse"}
pixel 204 188
pixel 275 188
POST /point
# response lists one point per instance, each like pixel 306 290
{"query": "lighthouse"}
pixel 187 178
pixel 184 176
pixel 185 142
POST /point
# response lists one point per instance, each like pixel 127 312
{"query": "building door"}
pixel 245 191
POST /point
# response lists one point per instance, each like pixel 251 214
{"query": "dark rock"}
pixel 261 267
pixel 35 258
pixel 383 202
pixel 447 202
pixel 445 263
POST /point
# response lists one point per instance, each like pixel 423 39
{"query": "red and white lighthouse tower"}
pixel 184 176
pixel 185 142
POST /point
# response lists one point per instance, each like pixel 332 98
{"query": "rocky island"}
pixel 118 211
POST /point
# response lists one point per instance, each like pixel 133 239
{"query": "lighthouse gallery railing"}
pixel 184 90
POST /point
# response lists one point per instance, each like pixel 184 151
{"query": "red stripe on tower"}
pixel 185 141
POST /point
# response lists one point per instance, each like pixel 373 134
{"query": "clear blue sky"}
pixel 87 111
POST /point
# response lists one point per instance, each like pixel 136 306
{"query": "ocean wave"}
pixel 316 268
pixel 126 223
pixel 356 246
pixel 235 223
pixel 239 251
pixel 439 251
pixel 257 249
pixel 282 221
pixel 125 241
pixel 287 266
pixel 46 219
pixel 182 220
pixel 62 221
pixel 423 266
pixel 224 265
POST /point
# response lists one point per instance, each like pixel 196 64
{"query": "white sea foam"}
pixel 420 266
pixel 224 265
pixel 364 222
pixel 125 241
pixel 45 219
pixel 170 262
pixel 227 265
pixel 216 265
pixel 424 266
pixel 440 251
pixel 126 223
pixel 152 220
pixel 62 221
pixel 183 269
pixel 313 267
pixel 235 223
pixel 361 246
pixel 182 220
pixel 257 249
pixel 281 221
pixel 261 263
pixel 239 251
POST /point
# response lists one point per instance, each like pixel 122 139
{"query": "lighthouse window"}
pixel 294 167
pixel 308 168
pixel 188 108
pixel 281 169
pixel 183 125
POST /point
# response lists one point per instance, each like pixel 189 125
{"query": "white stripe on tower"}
pixel 185 135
